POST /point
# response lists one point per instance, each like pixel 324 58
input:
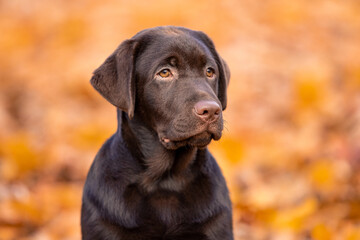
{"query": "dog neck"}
pixel 165 168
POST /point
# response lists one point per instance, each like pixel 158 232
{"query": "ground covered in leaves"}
pixel 291 148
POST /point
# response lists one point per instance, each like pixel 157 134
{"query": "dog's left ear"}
pixel 224 71
pixel 224 79
pixel 114 79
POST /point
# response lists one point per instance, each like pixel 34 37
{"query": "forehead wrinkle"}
pixel 189 51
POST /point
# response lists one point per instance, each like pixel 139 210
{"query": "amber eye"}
pixel 210 72
pixel 165 73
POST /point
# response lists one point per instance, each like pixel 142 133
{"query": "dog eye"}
pixel 210 72
pixel 165 73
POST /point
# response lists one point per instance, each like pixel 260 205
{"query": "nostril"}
pixel 207 110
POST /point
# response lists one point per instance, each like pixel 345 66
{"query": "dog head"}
pixel 172 80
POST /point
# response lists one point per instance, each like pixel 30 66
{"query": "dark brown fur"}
pixel 154 178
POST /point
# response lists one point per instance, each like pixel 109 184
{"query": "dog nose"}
pixel 207 110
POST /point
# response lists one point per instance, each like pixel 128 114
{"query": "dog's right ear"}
pixel 114 79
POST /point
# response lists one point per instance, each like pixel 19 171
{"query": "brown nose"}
pixel 207 110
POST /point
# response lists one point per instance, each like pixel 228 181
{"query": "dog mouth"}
pixel 200 140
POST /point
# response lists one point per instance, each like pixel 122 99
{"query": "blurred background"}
pixel 291 148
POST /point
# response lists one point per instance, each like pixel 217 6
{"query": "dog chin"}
pixel 200 140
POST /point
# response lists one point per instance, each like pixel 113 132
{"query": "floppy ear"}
pixel 224 79
pixel 224 72
pixel 114 79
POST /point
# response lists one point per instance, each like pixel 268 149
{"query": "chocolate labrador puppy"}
pixel 154 178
